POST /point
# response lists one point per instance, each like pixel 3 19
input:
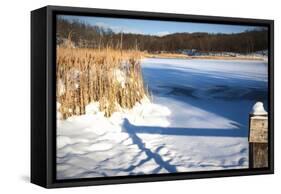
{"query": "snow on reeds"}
pixel 108 76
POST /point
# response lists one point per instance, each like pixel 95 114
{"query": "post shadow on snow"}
pixel 127 127
pixel 207 132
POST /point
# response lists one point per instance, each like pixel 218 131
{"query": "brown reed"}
pixel 109 76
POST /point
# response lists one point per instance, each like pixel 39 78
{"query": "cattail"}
pixel 108 76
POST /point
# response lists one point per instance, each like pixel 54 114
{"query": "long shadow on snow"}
pixel 133 130
pixel 130 129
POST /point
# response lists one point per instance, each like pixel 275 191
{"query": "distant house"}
pixel 189 52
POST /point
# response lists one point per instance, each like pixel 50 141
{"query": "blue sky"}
pixel 154 27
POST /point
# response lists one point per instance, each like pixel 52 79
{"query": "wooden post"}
pixel 258 137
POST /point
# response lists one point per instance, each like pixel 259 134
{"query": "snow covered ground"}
pixel 197 120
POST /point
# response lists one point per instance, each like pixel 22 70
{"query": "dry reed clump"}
pixel 111 77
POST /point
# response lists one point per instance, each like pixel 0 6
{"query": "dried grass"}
pixel 108 76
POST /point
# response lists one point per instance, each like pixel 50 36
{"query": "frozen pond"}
pixel 224 88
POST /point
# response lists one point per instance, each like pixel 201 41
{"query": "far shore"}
pixel 183 56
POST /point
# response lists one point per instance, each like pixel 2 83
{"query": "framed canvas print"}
pixel 125 96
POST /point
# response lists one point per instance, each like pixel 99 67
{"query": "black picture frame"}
pixel 43 96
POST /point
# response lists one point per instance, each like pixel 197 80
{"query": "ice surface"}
pixel 197 120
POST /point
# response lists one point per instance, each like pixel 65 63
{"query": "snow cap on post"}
pixel 258 109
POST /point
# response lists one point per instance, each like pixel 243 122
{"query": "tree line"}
pixel 88 36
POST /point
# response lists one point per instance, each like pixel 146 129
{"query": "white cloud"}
pixel 163 33
pixel 118 29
